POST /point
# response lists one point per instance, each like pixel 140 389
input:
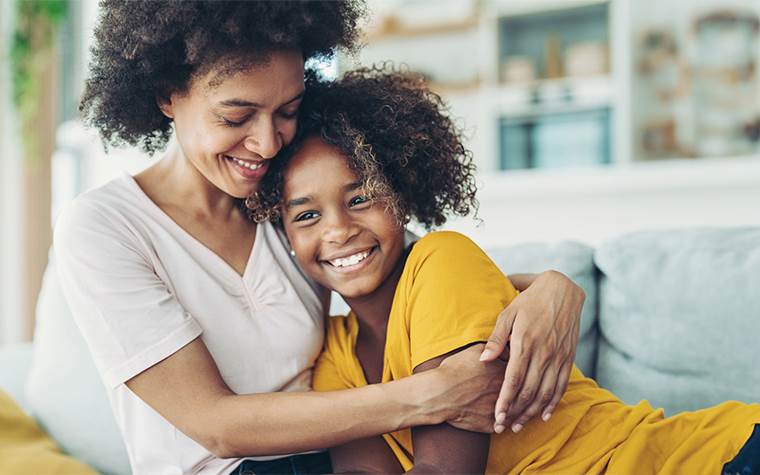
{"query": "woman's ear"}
pixel 164 102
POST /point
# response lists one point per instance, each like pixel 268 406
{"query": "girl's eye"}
pixel 357 200
pixel 306 215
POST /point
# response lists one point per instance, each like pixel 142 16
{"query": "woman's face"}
pixel 343 240
pixel 230 126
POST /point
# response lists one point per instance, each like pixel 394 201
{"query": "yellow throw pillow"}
pixel 25 448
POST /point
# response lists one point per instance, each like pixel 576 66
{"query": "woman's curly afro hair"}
pixel 396 136
pixel 147 48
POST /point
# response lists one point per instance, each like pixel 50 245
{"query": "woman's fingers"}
pixel 517 368
pixel 497 342
pixel 540 399
pixel 559 390
pixel 527 393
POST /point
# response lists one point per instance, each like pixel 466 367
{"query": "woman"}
pixel 203 328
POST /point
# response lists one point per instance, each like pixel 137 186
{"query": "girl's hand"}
pixel 470 388
pixel 541 326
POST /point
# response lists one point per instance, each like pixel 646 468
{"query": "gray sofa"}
pixel 670 316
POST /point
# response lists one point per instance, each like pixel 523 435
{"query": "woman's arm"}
pixel 187 389
pixel 541 326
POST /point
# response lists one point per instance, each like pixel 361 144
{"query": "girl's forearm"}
pixel 283 423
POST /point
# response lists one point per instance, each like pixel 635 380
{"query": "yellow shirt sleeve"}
pixel 453 294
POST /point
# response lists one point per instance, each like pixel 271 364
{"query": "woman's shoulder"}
pixel 114 197
pixel 103 211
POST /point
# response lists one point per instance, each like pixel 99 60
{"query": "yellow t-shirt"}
pixel 449 296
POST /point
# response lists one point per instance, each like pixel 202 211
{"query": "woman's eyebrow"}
pixel 245 103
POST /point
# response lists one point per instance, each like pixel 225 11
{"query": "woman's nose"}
pixel 264 139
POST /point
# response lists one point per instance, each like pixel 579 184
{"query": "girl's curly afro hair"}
pixel 396 136
pixel 146 48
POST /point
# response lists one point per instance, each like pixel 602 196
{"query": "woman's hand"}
pixel 470 388
pixel 541 326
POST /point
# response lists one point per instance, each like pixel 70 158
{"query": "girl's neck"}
pixel 372 310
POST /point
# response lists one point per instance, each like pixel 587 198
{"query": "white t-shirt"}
pixel 140 288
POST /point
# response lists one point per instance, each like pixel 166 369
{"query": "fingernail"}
pixel 486 354
pixel 517 428
pixel 500 417
pixel 499 429
pixel 546 416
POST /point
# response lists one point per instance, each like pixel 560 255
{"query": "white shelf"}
pixel 553 96
pixel 639 176
pixel 506 8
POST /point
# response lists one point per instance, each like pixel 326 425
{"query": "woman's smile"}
pixel 248 169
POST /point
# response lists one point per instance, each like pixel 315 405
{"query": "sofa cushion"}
pixel 680 317
pixel 25 448
pixel 573 259
pixel 15 362
pixel 64 391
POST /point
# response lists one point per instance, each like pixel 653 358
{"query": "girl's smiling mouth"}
pixel 351 262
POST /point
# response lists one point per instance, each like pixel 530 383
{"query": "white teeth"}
pixel 350 260
pixel 244 164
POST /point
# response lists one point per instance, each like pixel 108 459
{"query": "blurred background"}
pixel 586 118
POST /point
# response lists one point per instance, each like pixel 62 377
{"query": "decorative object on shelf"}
pixel 519 70
pixel 553 57
pixel 726 92
pixel 662 85
pixel 586 59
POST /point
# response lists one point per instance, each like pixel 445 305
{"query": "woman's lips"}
pixel 248 169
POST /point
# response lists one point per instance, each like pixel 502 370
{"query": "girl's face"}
pixel 343 240
pixel 228 127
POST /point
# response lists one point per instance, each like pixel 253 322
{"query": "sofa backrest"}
pixel 680 317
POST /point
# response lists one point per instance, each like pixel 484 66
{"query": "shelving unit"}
pixel 464 60
pixel 588 201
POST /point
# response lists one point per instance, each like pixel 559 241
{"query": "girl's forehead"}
pixel 317 165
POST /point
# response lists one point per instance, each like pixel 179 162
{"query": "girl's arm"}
pixel 541 326
pixel 187 389
pixel 438 448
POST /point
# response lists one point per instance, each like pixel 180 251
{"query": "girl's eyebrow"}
pixel 244 103
pixel 305 199
pixel 297 201
pixel 353 186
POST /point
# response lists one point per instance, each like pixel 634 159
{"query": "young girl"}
pixel 385 152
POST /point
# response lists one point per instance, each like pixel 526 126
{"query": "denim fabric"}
pixel 747 461
pixel 293 465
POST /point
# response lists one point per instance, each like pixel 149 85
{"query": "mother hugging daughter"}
pixel 203 328
pixel 385 152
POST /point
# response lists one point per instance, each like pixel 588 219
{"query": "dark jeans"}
pixel 293 465
pixel 747 461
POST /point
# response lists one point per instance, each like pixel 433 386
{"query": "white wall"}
pixel 597 204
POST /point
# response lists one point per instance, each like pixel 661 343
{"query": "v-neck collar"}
pixel 220 263
pixel 353 334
